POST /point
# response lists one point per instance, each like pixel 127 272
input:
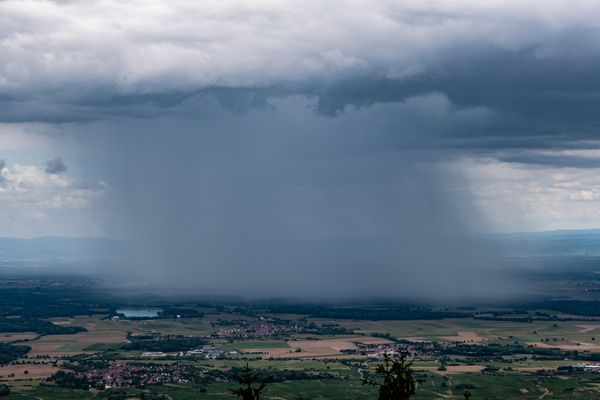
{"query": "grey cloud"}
pixel 535 72
pixel 55 166
pixel 2 166
pixel 553 160
pixel 537 99
pixel 524 101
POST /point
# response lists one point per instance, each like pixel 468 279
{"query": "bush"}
pixel 464 386
pixel 9 352
pixel 4 390
pixel 163 343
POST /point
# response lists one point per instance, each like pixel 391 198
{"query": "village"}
pixel 270 328
pixel 207 352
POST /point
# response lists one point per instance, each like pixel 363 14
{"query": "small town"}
pixel 207 352
pixel 119 375
pixel 270 328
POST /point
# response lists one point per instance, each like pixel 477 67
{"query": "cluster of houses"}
pixel 207 352
pixel 210 352
pixel 261 328
pixel 587 367
pixel 375 351
pixel 120 375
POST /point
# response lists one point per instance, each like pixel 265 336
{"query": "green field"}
pixel 445 329
pixel 486 386
pixel 256 344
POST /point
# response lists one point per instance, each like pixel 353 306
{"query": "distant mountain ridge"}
pixel 558 243
pixel 60 248
pixel 566 243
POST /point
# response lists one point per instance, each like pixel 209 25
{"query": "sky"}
pixel 293 132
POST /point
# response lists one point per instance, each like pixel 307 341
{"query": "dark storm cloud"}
pixel 535 72
pixel 537 101
pixel 55 166
pixel 557 159
pixel 2 166
pixel 531 101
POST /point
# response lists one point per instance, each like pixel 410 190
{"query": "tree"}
pixel 467 394
pixel 4 390
pixel 399 379
pixel 248 379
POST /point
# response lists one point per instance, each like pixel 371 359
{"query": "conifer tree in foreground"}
pixel 248 379
pixel 399 379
